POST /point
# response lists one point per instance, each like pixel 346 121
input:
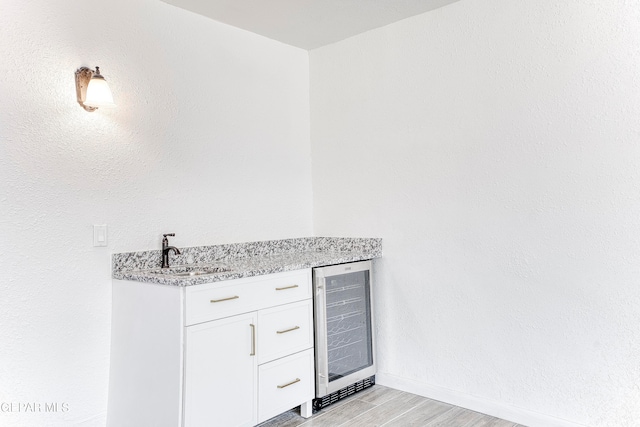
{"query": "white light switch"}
pixel 100 235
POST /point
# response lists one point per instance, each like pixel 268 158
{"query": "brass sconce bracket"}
pixel 83 76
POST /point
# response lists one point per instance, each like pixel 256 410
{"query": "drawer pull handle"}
pixel 225 299
pixel 286 287
pixel 288 330
pixel 253 340
pixel 297 380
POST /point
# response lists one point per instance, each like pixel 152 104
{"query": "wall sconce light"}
pixel 92 89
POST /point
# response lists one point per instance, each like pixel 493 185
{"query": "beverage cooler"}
pixel 345 357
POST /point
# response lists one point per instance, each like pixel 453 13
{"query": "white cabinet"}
pixel 284 330
pixel 221 373
pixel 223 299
pixel 283 381
pixel 232 353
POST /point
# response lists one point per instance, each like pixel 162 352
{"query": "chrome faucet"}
pixel 166 248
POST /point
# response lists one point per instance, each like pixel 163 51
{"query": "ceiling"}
pixel 308 24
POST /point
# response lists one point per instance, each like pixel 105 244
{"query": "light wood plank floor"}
pixel 383 406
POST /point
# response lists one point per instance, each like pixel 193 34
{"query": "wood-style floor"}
pixel 383 406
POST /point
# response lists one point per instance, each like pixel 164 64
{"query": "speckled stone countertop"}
pixel 247 259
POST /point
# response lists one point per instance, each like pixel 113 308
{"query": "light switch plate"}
pixel 100 235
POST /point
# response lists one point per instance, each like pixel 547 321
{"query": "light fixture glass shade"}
pixel 98 93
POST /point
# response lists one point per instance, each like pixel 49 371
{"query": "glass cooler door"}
pixel 344 338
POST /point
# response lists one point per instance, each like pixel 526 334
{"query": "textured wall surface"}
pixel 495 146
pixel 210 140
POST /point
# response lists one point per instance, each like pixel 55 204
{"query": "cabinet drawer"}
pixel 284 330
pixel 222 299
pixel 284 384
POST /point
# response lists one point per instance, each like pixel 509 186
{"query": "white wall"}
pixel 210 140
pixel 495 146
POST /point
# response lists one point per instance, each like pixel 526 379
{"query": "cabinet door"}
pixel 221 373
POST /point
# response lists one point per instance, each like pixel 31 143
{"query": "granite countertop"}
pixel 247 259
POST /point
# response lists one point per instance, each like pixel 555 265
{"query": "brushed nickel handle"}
pixel 297 380
pixel 253 340
pixel 286 287
pixel 225 299
pixel 288 330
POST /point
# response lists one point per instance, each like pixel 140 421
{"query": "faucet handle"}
pixel 169 235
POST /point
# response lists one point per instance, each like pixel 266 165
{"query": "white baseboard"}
pixel 478 404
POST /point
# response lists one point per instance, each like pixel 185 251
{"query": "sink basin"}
pixel 189 270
